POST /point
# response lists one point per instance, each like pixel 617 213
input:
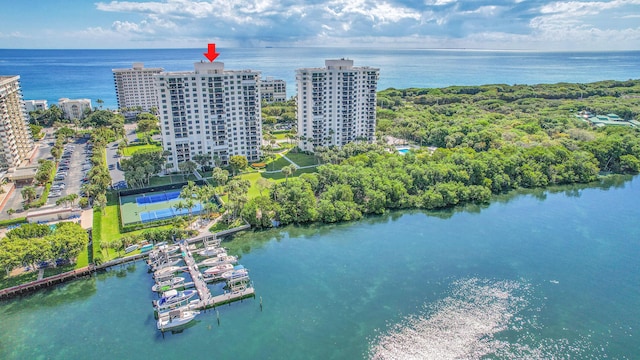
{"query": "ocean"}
pixel 54 74
pixel 535 275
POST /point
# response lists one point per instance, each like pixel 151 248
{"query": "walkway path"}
pixel 40 274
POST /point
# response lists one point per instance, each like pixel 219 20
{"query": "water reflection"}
pixel 245 242
pixel 73 291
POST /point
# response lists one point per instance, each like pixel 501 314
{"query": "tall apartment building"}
pixel 273 90
pixel 15 135
pixel 336 104
pixel 210 111
pixel 74 109
pixel 33 105
pixel 135 87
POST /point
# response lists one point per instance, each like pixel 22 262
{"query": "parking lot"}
pixel 71 171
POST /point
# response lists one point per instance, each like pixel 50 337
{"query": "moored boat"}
pixel 172 284
pixel 164 265
pixel 166 273
pixel 235 275
pixel 211 251
pixel 175 318
pixel 219 260
pixel 218 270
pixel 172 297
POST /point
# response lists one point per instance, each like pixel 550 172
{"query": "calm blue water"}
pixel 539 275
pixel 52 74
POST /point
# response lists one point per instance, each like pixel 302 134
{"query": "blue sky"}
pixel 477 24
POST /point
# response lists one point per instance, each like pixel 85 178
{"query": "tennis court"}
pixel 144 199
pixel 167 213
pixel 152 206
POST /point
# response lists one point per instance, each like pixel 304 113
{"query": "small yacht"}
pixel 235 275
pixel 166 272
pixel 218 270
pixel 176 318
pixel 164 265
pixel 171 284
pixel 211 251
pixel 172 297
pixel 219 260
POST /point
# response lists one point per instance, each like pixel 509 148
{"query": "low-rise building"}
pixel 74 109
pixel 273 90
pixel 35 105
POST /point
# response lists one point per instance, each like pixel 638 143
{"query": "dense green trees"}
pixel 488 139
pixel 32 243
pixel 141 166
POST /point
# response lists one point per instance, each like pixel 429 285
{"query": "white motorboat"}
pixel 166 272
pixel 211 251
pixel 219 260
pixel 164 250
pixel 235 275
pixel 164 265
pixel 176 318
pixel 172 297
pixel 218 270
pixel 171 284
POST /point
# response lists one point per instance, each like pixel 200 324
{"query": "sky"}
pixel 472 24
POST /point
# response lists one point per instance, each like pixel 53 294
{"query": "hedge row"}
pixel 140 226
pixel 9 222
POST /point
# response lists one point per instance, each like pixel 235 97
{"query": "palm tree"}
pixel 28 194
pixel 179 206
pixel 73 197
pixel 287 171
pixel 100 102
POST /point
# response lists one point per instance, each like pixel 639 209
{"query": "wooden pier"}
pixel 46 282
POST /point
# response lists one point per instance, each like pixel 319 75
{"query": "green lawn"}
pixel 253 177
pixel 301 159
pixel 277 164
pixel 277 177
pixel 130 150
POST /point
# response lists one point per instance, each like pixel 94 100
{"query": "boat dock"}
pixel 206 299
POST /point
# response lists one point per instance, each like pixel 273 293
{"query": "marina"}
pixel 176 308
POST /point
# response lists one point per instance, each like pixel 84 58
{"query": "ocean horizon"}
pixel 51 74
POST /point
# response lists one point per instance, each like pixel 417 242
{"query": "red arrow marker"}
pixel 211 54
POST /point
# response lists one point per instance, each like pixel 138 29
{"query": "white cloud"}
pixel 517 24
pixel 439 2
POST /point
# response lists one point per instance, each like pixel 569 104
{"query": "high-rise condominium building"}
pixel 15 135
pixel 210 111
pixel 336 104
pixel 74 109
pixel 135 87
pixel 273 90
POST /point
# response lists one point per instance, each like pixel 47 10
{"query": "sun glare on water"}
pixel 464 326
